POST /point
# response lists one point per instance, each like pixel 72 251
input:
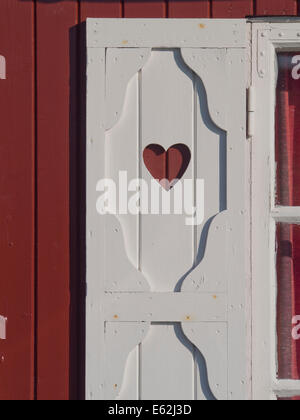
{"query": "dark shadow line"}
pixel 210 124
pixel 36 253
pixel 186 158
pixel 77 210
pixel 211 9
pixel 200 254
pixel 199 359
pixel 254 7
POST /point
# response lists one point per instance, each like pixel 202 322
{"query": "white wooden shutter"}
pixel 167 314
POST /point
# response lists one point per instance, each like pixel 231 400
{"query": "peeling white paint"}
pixel 3 321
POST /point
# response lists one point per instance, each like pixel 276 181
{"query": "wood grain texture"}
pixel 232 9
pixel 276 7
pixel 166 116
pixel 188 9
pixel 17 200
pixel 167 364
pixel 148 9
pixel 56 64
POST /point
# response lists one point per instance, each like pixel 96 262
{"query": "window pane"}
pixel 288 129
pixel 288 300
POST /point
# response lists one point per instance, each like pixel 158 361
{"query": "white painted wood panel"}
pixel 167 115
pixel 95 141
pixel 211 356
pixel 130 386
pixel 167 375
pixel 121 66
pixel 211 67
pixel 170 33
pixel 166 306
pixel 120 339
pixel 166 302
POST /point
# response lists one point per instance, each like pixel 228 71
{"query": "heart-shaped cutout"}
pixel 167 166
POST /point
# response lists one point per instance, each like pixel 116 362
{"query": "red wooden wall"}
pixel 42 180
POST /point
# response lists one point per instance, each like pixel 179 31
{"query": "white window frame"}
pixel 267 38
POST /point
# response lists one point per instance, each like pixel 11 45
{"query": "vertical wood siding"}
pixel 17 207
pixel 54 129
pixel 39 201
pixel 106 8
pixel 276 7
pixel 232 9
pixel 148 9
pixel 189 9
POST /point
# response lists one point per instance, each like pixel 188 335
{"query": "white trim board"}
pixel 166 33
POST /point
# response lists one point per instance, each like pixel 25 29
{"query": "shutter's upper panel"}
pixel 166 33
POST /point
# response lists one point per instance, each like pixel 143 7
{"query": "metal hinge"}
pixel 3 321
pixel 250 111
pixel 2 67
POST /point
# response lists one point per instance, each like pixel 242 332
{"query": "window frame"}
pixel 267 38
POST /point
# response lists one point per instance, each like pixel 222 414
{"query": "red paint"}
pixel 276 7
pixel 232 9
pixel 17 200
pixel 167 165
pixel 155 160
pixel 100 9
pixel 189 9
pixel 148 9
pixel 54 21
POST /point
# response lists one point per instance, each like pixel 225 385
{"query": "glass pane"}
pixel 288 300
pixel 288 129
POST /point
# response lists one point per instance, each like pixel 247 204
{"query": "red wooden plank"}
pixel 17 200
pixel 101 9
pixel 189 9
pixel 232 9
pixel 145 9
pixel 276 7
pixel 56 65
